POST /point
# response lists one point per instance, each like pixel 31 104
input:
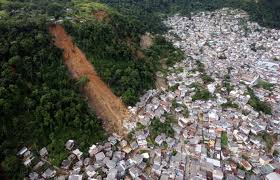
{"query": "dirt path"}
pixel 107 106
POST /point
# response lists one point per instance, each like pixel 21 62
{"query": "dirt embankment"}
pixel 107 106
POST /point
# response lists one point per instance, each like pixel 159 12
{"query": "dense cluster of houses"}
pixel 220 136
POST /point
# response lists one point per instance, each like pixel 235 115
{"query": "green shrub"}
pixel 82 81
pixel 13 167
pixel 175 104
pixel 174 152
pixel 139 126
pixel 229 104
pixel 224 140
pixel 265 85
pixel 206 78
pixel 201 94
pixel 174 88
pixel 268 139
pixel 228 86
pixel 257 104
pixel 200 67
pixel 186 112
pixel 157 127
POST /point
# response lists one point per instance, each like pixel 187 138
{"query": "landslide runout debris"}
pixel 107 106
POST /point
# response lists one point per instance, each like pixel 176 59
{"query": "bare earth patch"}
pixel 139 54
pixel 146 41
pixel 107 106
pixel 100 15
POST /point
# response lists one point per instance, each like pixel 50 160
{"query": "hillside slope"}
pixel 107 106
pixel 40 104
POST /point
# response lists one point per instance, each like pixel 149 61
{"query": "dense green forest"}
pixel 40 105
pixel 265 12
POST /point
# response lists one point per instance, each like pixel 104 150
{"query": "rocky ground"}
pixel 218 118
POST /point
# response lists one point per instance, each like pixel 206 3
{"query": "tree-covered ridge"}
pixel 39 104
pixel 55 8
pixel 113 46
pixel 265 12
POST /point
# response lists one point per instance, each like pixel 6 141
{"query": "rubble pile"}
pixel 207 124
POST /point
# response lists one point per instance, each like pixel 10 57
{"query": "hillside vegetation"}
pixel 265 12
pixel 40 105
pixel 113 46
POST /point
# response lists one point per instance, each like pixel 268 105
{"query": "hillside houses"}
pixel 219 135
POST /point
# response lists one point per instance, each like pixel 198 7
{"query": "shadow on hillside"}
pixel 265 12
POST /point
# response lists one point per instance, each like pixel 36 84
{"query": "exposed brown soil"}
pixel 139 54
pixel 107 106
pixel 146 41
pixel 161 83
pixel 100 15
